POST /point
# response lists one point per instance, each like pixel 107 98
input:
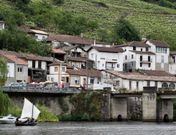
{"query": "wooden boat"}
pixel 29 115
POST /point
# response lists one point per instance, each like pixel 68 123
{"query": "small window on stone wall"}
pixel 165 85
pixel 172 86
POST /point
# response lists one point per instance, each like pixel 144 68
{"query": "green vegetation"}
pixel 96 19
pixel 87 107
pixel 4 103
pixel 3 71
pixel 46 115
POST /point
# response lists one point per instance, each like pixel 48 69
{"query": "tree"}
pixel 58 1
pixel 126 31
pixel 3 71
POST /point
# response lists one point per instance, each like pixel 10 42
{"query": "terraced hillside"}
pixel 151 20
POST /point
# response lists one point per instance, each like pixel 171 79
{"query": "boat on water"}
pixel 29 114
pixel 9 119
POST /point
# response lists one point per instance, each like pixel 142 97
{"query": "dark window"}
pixel 137 85
pixel 148 83
pixel 141 49
pixel 39 64
pixel 92 81
pixel 140 64
pixel 172 86
pixel 165 85
pixel 134 48
pixel 147 49
pixel 149 58
pixel 130 84
pixel 132 56
pixel 156 84
pixel 149 65
pixel 33 64
pixel 125 57
pixel 141 58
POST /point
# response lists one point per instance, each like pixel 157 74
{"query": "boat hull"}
pixel 26 123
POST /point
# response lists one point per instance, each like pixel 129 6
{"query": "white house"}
pixel 38 34
pixel 2 25
pixel 110 58
pixel 85 78
pixel 162 51
pixel 137 55
pixel 17 68
pixel 172 63
pixel 135 81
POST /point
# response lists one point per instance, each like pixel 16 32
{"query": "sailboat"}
pixel 29 114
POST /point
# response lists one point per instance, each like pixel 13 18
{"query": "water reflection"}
pixel 103 128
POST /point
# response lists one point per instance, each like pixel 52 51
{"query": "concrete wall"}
pixel 149 106
pixel 165 108
pixel 118 107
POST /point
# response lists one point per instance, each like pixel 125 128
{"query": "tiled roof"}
pixel 7 59
pixel 140 52
pixel 152 76
pixel 108 49
pixel 135 44
pixel 38 32
pixel 78 59
pixel 28 56
pixel 159 43
pixel 84 72
pixel 155 72
pixel 55 63
pixel 14 58
pixel 69 38
pixel 58 51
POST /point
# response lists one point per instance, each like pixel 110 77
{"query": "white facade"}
pixel 172 64
pixel 162 56
pixel 106 60
pixel 11 70
pixel 36 65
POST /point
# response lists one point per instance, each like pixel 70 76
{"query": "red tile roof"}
pixel 108 49
pixel 69 38
pixel 84 72
pixel 58 51
pixel 147 76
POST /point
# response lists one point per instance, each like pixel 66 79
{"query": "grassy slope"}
pixel 149 19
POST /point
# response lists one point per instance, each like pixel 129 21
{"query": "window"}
pixel 92 55
pixel 91 80
pixel 130 84
pixel 141 50
pixel 141 58
pixel 149 59
pixel 33 64
pixel 165 85
pixel 20 69
pixel 149 65
pixel 39 64
pixel 55 69
pixel 156 84
pixel 117 65
pixel 125 57
pixel 63 69
pixel 140 64
pixel 137 85
pixel 148 83
pixel 132 56
pixel 147 49
pixel 172 86
pixel 76 81
pixel 134 48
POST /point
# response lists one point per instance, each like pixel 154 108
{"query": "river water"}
pixel 91 128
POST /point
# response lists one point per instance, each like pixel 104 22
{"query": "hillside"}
pixel 151 20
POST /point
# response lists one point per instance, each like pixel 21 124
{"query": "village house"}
pixel 162 51
pixel 84 78
pixel 137 55
pixel 57 73
pixel 107 58
pixel 39 35
pixel 172 63
pixel 135 81
pixel 17 68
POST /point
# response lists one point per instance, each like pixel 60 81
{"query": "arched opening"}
pixel 119 117
pixel 164 85
pixel 172 86
pixel 166 118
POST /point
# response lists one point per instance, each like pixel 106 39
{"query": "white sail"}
pixel 29 110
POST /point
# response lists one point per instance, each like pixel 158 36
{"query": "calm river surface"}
pixel 91 128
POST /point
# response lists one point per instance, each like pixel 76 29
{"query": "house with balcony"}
pixel 137 55
pixel 162 51
pixel 106 58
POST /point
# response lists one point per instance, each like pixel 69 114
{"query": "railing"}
pixel 34 89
